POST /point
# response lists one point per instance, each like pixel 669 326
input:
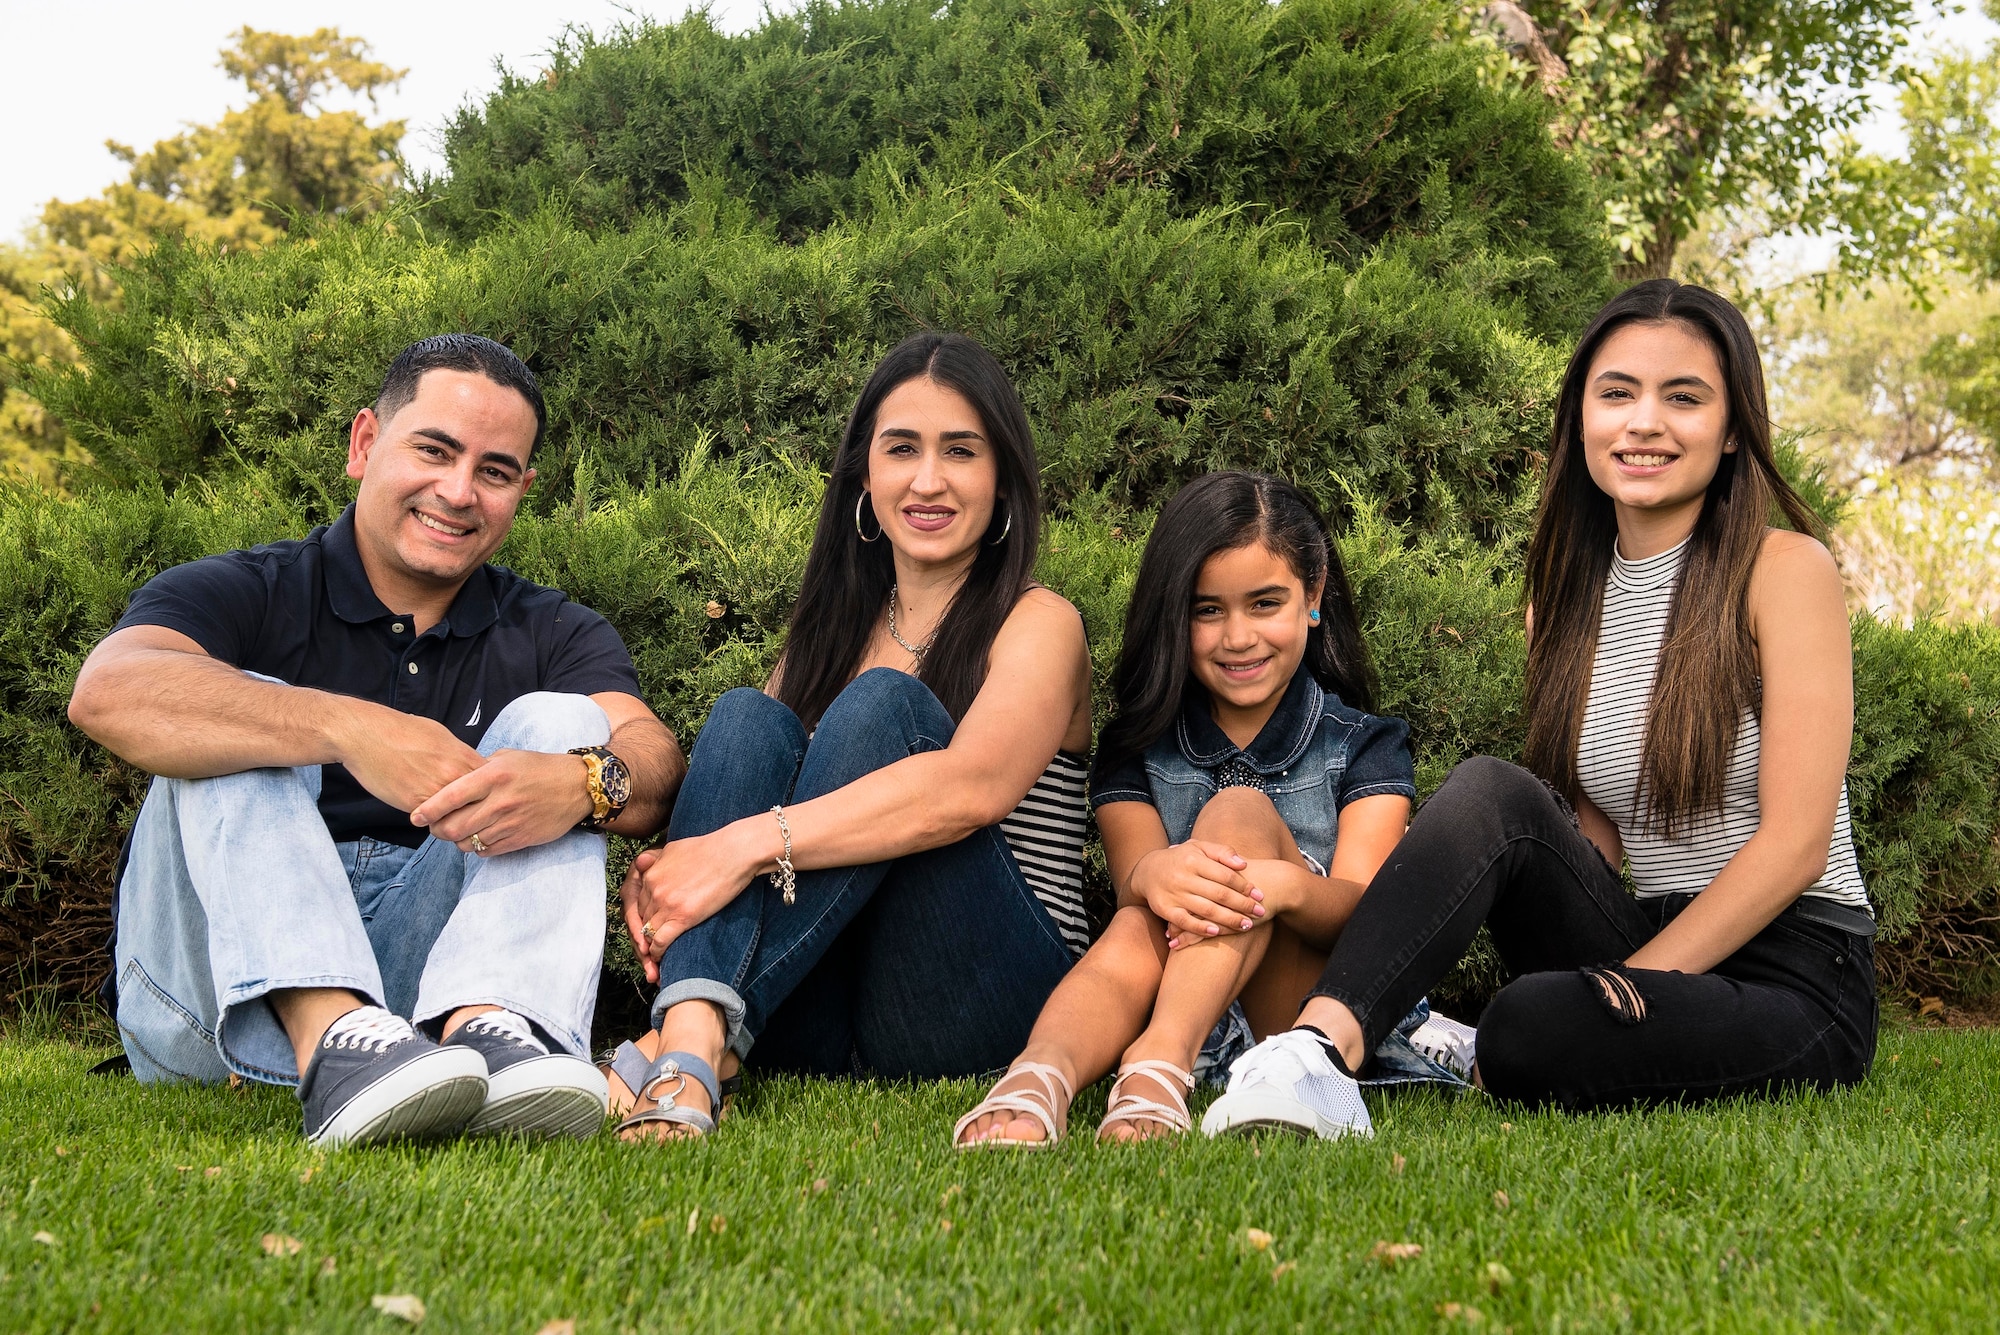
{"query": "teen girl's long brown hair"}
pixel 1707 673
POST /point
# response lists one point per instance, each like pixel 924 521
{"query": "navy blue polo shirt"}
pixel 304 612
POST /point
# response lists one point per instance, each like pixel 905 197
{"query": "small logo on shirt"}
pixel 474 720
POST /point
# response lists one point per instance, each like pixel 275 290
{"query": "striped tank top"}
pixel 1638 595
pixel 1045 832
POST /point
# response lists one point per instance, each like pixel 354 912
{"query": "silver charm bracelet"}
pixel 784 878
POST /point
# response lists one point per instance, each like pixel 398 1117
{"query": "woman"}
pixel 876 862
pixel 1690 710
pixel 1245 793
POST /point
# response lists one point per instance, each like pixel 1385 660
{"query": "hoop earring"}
pixel 1009 528
pixel 860 501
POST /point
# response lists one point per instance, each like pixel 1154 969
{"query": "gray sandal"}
pixel 643 1078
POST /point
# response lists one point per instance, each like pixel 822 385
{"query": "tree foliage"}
pixel 1686 107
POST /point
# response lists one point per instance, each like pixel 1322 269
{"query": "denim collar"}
pixel 1277 745
pixel 353 597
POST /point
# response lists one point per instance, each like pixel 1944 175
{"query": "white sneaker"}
pixel 1448 1043
pixel 1288 1083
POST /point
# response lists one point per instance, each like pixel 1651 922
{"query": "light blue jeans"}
pixel 235 889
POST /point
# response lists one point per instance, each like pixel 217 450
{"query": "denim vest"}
pixel 1300 759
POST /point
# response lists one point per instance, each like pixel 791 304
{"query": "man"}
pixel 385 768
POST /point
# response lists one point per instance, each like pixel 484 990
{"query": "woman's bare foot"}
pixel 1023 1079
pixel 695 1027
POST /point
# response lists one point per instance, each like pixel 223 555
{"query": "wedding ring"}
pixel 477 847
pixel 646 930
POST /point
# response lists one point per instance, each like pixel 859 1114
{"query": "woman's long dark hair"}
pixel 1219 513
pixel 1707 672
pixel 847 580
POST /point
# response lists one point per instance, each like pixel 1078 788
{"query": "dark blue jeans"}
pixel 934 964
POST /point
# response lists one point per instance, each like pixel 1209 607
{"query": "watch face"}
pixel 616 781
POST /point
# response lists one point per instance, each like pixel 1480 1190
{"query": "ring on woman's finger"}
pixel 646 930
pixel 477 847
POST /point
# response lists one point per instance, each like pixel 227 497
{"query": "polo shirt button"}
pixel 398 628
pixel 413 669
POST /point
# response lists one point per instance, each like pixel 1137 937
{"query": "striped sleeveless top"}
pixel 1045 832
pixel 1638 595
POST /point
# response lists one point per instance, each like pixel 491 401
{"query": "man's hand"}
pixel 515 800
pixel 1198 888
pixel 402 758
pixel 682 885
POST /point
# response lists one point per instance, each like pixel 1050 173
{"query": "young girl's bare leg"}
pixel 1097 1009
pixel 1201 979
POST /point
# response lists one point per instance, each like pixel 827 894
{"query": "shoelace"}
pixel 1277 1060
pixel 377 1032
pixel 508 1025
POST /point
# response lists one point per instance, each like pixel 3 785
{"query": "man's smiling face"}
pixel 440 480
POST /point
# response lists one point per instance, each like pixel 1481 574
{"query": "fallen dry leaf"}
pixel 1495 1276
pixel 716 611
pixel 1257 1238
pixel 944 1225
pixel 819 1185
pixel 1282 1269
pixel 61 1152
pixel 183 1168
pixel 404 1306
pixel 307 1176
pixel 953 1190
pixel 1471 1316
pixel 694 1219
pixel 716 1223
pixel 1388 1253
pixel 278 1244
pixel 560 1326
pixel 1500 1200
pixel 1506 1126
pixel 328 1266
pixel 1931 1006
pixel 46 1238
pixel 215 1171
pixel 1396 1162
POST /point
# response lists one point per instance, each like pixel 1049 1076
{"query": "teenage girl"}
pixel 1690 709
pixel 1245 795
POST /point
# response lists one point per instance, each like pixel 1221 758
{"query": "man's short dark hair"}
pixel 460 352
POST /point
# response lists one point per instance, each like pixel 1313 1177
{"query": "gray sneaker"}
pixel 1288 1083
pixel 374 1078
pixel 530 1091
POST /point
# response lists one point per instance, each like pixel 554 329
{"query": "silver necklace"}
pixel 916 651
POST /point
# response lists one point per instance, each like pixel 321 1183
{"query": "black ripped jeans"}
pixel 1794 1007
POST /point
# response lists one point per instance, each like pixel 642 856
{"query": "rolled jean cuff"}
pixel 707 989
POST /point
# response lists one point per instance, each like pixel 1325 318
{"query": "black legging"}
pixel 1495 845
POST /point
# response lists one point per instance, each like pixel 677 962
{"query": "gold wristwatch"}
pixel 610 785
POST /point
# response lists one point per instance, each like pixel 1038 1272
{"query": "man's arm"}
pixel 521 799
pixel 155 698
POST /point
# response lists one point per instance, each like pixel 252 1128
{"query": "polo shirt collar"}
pixel 353 597
pixel 1277 745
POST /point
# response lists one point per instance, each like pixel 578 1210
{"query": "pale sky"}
pixel 83 71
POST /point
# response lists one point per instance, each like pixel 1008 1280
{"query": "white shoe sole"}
pixel 1245 1112
pixel 430 1097
pixel 544 1096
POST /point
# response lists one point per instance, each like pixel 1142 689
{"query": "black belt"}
pixel 1813 909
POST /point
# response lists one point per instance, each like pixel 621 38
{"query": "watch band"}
pixel 608 783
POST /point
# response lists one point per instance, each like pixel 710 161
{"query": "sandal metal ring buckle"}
pixel 671 1071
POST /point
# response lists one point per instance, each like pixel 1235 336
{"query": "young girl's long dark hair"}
pixel 1707 672
pixel 847 580
pixel 1219 513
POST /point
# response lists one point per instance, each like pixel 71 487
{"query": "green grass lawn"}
pixel 840 1206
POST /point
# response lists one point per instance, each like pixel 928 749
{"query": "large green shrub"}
pixel 1351 116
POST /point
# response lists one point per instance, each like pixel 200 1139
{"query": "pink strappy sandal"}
pixel 1038 1103
pixel 1130 1108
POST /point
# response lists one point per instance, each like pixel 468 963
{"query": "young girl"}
pixel 875 863
pixel 1245 796
pixel 1690 709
